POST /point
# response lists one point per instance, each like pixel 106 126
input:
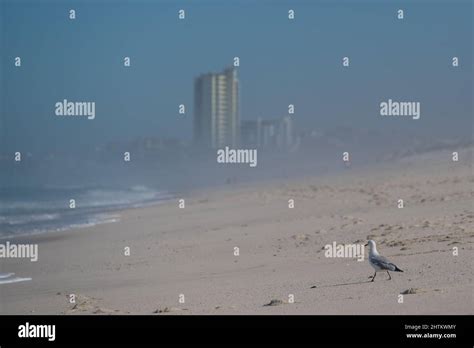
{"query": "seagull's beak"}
pixel 366 244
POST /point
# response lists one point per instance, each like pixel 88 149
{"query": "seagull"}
pixel 380 263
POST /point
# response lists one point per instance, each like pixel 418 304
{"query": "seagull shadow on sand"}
pixel 341 284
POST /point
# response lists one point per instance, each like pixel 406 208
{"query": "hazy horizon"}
pixel 281 62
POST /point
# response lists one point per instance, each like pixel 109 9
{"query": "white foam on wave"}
pixel 23 219
pixel 126 197
pixel 14 280
pixel 7 278
pixel 95 206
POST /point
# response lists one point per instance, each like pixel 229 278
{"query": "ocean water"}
pixel 36 210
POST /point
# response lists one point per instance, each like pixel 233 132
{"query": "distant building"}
pixel 250 133
pixel 285 133
pixel 216 109
pixel 268 134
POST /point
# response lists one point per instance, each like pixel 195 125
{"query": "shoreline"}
pixel 229 188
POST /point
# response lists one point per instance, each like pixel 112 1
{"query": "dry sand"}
pixel 191 251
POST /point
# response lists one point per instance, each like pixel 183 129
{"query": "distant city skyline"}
pixel 282 62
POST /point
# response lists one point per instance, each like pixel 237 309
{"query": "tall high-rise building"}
pixel 216 109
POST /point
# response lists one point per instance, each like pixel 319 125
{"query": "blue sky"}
pixel 282 62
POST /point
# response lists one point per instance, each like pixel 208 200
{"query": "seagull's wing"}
pixel 383 263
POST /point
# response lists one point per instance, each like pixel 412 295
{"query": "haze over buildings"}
pixel 217 120
pixel 275 134
pixel 337 107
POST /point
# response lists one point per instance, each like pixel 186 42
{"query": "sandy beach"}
pixel 191 251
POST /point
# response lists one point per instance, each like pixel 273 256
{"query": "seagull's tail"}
pixel 398 269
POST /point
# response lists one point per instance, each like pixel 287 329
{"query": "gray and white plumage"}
pixel 380 263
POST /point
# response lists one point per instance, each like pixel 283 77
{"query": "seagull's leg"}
pixel 389 276
pixel 373 277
